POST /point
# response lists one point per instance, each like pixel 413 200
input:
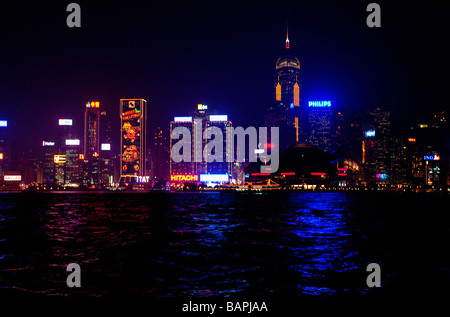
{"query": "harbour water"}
pixel 223 245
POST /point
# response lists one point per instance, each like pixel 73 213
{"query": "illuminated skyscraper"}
pixel 319 124
pixel 218 164
pixel 3 151
pixel 288 84
pixel 92 129
pixel 48 170
pixel 284 112
pixel 160 154
pixel 133 142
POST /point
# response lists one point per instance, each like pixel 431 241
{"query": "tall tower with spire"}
pixel 288 84
pixel 284 111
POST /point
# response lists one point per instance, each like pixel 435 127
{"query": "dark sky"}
pixel 220 53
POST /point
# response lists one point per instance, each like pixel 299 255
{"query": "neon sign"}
pixel 12 178
pixel 130 154
pixel 45 143
pixel 59 159
pixel 369 133
pixel 131 114
pixel 65 121
pixel 72 142
pixel 218 118
pixel 106 147
pixel 214 177
pixel 131 132
pixel 183 178
pixel 93 104
pixel 202 107
pixel 182 119
pixel 143 179
pixel 319 104
pixel 3 123
pixel 431 157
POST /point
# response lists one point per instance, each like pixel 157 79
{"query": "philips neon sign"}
pixel 319 104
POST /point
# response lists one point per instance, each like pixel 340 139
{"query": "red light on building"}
pixel 260 174
pixel 318 174
pixel 342 169
pixel 288 174
pixel 342 174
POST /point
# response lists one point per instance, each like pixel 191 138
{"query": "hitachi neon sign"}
pixel 319 104
pixel 184 178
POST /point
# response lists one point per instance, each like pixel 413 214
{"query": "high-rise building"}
pixel 185 166
pixel 92 129
pixel 285 111
pixel 133 142
pixel 213 165
pixel 224 166
pixel 72 164
pixel 382 122
pixel 48 169
pixel 160 154
pixel 105 159
pixel 319 124
pixel 288 84
pixel 3 147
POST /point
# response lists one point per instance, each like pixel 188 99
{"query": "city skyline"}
pixel 355 66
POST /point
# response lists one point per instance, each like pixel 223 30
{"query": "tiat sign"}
pixel 143 179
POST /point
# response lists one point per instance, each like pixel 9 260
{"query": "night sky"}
pixel 220 53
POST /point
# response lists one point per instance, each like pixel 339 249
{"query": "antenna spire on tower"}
pixel 287 35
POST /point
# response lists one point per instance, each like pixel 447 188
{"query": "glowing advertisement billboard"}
pixel 218 118
pixel 12 178
pixel 133 117
pixel 214 177
pixel 105 147
pixel 65 121
pixel 184 178
pixel 72 142
pixel 319 104
pixel 3 123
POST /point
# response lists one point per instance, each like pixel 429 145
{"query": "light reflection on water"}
pixel 202 244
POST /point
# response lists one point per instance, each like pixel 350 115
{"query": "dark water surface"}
pixel 191 245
